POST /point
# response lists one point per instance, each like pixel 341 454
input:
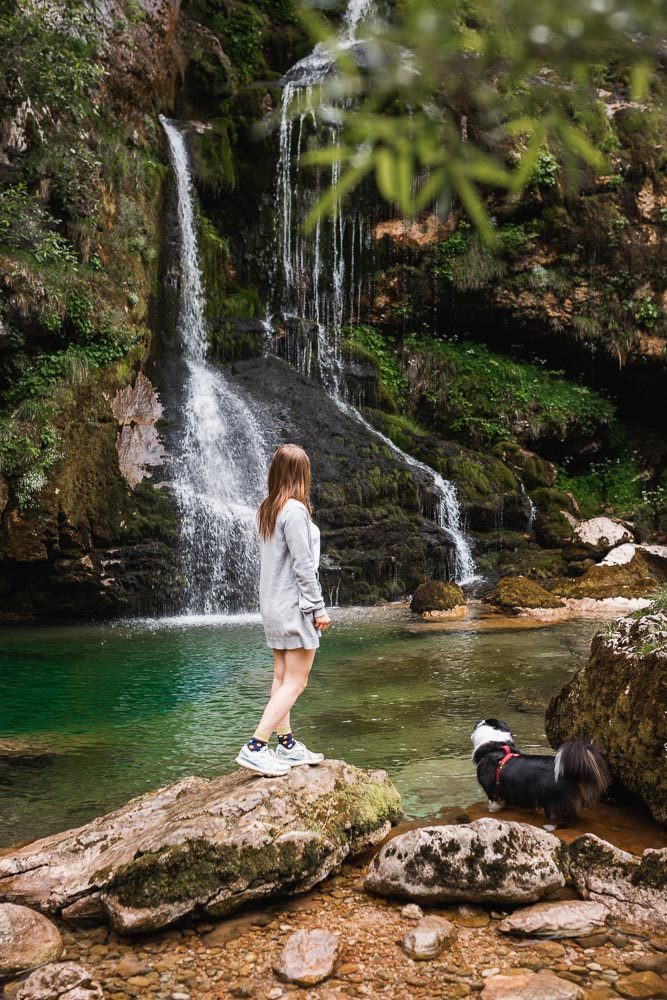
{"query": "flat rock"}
pixel 543 985
pixel 631 888
pixel 206 846
pixel 642 986
pixel 567 919
pixel 488 861
pixel 308 957
pixel 428 938
pixel 61 981
pixel 27 940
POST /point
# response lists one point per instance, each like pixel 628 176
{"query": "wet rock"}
pixel 642 986
pixel 308 957
pixel 488 861
pixel 513 593
pixel 61 981
pixel 208 846
pixel 412 912
pixel 544 985
pixel 20 752
pixel 27 940
pixel 650 963
pixel 619 700
pixel 533 471
pixel 429 937
pixel 631 888
pixel 572 918
pixel 437 595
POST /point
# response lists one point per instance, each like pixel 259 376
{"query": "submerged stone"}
pixel 544 985
pixel 61 981
pixel 308 957
pixel 567 919
pixel 428 938
pixel 27 940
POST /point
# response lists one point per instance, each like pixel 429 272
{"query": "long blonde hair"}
pixel 289 477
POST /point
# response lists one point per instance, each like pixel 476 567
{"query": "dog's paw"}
pixel 495 807
pixel 550 827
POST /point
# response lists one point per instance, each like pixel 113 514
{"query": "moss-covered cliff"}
pixel 531 377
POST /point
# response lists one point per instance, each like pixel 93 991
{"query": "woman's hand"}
pixel 323 622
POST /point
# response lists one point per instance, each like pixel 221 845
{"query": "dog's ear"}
pixel 497 724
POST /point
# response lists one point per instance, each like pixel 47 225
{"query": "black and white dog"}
pixel 562 785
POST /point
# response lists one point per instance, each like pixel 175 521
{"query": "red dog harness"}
pixel 501 763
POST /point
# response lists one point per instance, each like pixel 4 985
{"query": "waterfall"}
pixel 220 462
pixel 319 276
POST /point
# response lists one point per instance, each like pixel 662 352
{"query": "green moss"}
pixel 551 526
pixel 197 869
pixel 481 397
pixel 517 592
pixel 436 595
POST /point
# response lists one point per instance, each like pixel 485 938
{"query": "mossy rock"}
pixel 552 528
pixel 632 579
pixel 618 698
pixel 534 472
pixel 436 595
pixel 515 592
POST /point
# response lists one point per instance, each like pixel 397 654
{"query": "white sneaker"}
pixel 262 762
pixel 299 754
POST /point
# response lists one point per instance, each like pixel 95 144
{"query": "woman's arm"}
pixel 297 537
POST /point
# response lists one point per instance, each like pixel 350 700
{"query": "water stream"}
pixel 320 274
pixel 220 464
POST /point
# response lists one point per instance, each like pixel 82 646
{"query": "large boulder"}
pixel 488 861
pixel 603 533
pixel 27 940
pixel 513 593
pixel 619 700
pixel 204 846
pixel 632 889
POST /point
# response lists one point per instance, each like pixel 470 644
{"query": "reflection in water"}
pixel 131 706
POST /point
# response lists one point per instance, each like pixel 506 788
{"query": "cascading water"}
pixel 321 274
pixel 219 468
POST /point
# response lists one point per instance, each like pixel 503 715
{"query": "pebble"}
pixel 308 957
pixel 412 912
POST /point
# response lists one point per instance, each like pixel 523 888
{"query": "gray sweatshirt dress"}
pixel 290 595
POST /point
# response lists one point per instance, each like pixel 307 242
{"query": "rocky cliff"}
pixel 571 310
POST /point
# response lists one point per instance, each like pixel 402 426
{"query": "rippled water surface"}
pixel 130 706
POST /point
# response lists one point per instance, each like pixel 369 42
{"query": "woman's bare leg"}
pixel 298 663
pixel 284 726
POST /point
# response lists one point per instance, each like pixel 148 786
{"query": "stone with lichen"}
pixel 204 846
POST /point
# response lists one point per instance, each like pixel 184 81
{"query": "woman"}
pixel 291 605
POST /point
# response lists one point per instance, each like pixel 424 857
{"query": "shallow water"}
pixel 130 706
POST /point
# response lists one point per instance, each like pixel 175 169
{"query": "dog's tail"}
pixel 583 763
